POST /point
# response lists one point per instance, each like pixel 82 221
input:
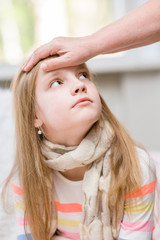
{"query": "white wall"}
pixel 135 100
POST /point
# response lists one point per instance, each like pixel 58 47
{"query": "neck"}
pixel 70 138
pixel 75 174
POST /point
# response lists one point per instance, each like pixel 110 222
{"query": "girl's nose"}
pixel 79 87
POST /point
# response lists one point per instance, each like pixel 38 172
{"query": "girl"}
pixel 80 176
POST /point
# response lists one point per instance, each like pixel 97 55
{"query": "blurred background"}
pixel 129 81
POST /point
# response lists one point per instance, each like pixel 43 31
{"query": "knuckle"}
pixel 35 54
pixel 58 40
pixel 69 58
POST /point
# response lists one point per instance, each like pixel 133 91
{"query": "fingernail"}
pixel 44 66
pixel 24 68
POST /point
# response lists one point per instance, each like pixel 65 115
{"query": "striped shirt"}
pixel 137 222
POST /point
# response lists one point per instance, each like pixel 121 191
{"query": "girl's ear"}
pixel 37 123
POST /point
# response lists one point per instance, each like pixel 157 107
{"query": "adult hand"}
pixel 71 51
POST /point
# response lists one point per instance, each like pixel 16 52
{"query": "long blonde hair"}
pixel 33 172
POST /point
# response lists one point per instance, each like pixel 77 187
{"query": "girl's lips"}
pixel 82 101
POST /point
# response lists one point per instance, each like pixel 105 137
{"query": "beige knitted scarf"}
pixel 94 152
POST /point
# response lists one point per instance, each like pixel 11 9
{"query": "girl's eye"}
pixel 55 83
pixel 83 75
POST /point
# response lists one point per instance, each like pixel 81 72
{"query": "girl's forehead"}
pixel 62 70
pixel 73 68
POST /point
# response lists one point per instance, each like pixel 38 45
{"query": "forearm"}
pixel 138 28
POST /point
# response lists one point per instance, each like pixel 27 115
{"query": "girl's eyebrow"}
pixel 47 77
pixel 52 74
pixel 82 66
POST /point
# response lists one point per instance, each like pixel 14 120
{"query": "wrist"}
pixel 101 44
pixel 92 45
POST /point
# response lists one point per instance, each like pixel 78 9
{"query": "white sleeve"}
pixel 138 221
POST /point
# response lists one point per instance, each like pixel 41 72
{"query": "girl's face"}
pixel 68 104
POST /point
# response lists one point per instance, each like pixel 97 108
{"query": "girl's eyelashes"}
pixel 55 83
pixel 83 75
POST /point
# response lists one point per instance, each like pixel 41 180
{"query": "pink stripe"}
pixel 69 234
pixel 138 226
pixel 20 222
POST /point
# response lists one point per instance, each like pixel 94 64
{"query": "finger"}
pixel 35 57
pixel 38 54
pixel 58 62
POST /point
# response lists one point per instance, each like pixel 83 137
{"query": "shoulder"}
pixel 146 192
pixel 145 160
pixel 147 167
